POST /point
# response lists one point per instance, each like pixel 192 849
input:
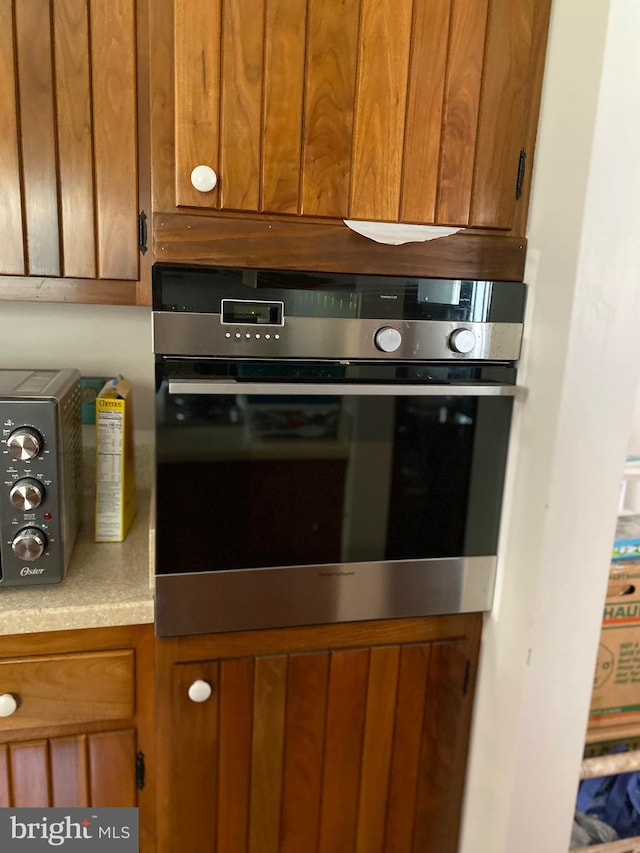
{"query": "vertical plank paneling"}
pixel 425 103
pixel 376 749
pixel 112 769
pixel 412 680
pixel 440 777
pixel 30 774
pixel 241 104
pixel 194 761
pixel 460 121
pixel 502 125
pixel 385 35
pixel 234 762
pixel 115 136
pixel 5 787
pixel 73 100
pixel 11 245
pixel 343 749
pixel 37 135
pixel 267 748
pixel 197 92
pixel 285 29
pixel 304 743
pixel 69 776
pixel 330 81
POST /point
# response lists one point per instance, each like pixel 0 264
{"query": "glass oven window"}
pixel 250 480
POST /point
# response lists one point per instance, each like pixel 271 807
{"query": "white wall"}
pixel 99 341
pixel 580 368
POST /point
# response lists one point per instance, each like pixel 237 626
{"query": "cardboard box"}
pixel 116 500
pixel 615 700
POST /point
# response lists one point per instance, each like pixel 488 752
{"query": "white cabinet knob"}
pixel 200 691
pixel 8 705
pixel 204 178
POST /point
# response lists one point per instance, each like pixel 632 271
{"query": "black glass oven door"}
pixel 258 475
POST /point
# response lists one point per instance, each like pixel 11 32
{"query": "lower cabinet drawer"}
pixel 60 689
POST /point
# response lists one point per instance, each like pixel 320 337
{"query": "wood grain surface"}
pixel 274 244
pixel 68 153
pixel 411 110
pixel 76 688
pixel 327 739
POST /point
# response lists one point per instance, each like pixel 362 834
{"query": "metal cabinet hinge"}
pixel 521 171
pixel 467 677
pixel 140 770
pixel 142 232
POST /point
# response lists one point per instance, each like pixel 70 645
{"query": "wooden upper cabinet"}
pixel 68 146
pixel 394 110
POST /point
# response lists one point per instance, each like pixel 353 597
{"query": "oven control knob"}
pixel 462 340
pixel 387 339
pixel 29 544
pixel 26 494
pixel 24 443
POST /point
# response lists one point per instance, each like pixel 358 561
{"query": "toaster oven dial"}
pixel 24 443
pixel 29 544
pixel 27 494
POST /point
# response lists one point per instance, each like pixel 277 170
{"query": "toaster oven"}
pixel 41 474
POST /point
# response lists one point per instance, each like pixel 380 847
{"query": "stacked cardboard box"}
pixel 615 701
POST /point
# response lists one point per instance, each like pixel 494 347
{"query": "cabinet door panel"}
pixel 359 749
pixel 405 762
pixel 114 115
pixel 197 84
pixel 460 119
pixel 385 36
pixel 29 774
pixel 304 748
pixel 330 85
pixel 111 765
pixel 241 104
pixel 377 748
pixel 75 144
pixel 11 246
pixel 193 746
pixel 37 135
pixel 68 153
pixel 439 790
pixel 346 704
pixel 234 750
pixel 502 112
pixel 284 86
pixel 425 104
pixel 69 772
pixel 83 770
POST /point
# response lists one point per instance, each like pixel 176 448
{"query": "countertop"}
pixel 107 583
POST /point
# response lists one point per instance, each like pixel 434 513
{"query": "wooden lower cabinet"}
pixel 83 726
pixel 329 739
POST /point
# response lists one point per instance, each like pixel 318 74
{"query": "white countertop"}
pixel 107 584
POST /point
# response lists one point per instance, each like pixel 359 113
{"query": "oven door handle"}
pixel 207 387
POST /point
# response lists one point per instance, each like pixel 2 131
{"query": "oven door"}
pixel 283 503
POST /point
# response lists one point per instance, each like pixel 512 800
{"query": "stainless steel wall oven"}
pixel 329 447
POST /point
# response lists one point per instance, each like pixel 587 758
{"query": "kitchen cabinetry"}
pixel 418 111
pixel 72 78
pixel 342 737
pixel 82 724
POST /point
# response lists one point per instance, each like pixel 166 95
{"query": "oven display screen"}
pixel 255 312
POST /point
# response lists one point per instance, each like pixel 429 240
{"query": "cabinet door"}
pixel 80 770
pixel 68 147
pixel 395 110
pixel 359 749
